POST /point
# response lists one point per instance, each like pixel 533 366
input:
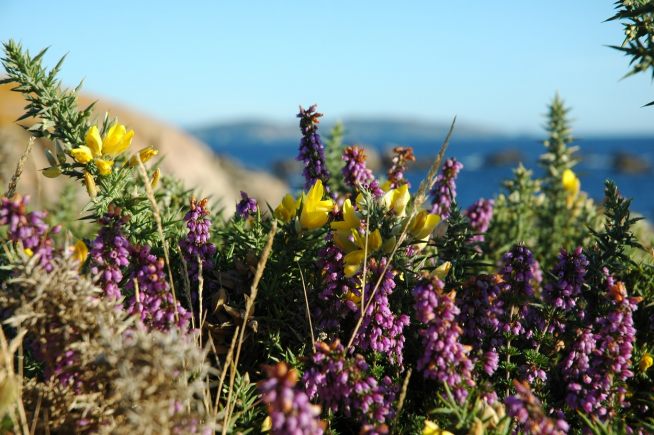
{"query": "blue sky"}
pixel 496 63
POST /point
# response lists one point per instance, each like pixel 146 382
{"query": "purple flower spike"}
pixel 443 193
pixel 312 151
pixel 153 301
pixel 401 158
pixel 444 357
pixel 28 228
pixel 528 412
pixel 196 244
pixel 356 173
pixel 247 206
pixel 343 383
pixel 109 252
pixel 480 215
pixel 289 407
pixel 381 330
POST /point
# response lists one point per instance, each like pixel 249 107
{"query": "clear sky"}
pixel 491 62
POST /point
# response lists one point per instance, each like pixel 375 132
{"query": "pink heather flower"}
pixel 599 362
pixel 528 412
pixel 196 244
pixel 247 206
pixel 289 407
pixel 153 303
pixel 344 384
pixel 381 330
pixel 480 215
pixel 402 156
pixel 109 252
pixel 28 228
pixel 444 357
pixel 356 173
pixel 443 193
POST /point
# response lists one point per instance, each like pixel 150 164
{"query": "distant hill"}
pixel 370 131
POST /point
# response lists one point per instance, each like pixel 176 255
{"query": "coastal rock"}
pixel 506 157
pixel 630 163
pixel 184 157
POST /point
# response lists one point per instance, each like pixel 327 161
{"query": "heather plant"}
pixel 356 304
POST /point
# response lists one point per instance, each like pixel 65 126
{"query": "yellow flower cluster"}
pixel 104 150
pixel 356 244
pixel 315 209
pixel 348 238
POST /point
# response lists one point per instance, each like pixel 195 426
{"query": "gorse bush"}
pixel 360 304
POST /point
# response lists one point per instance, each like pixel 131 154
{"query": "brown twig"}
pixel 11 189
pixel 306 303
pixel 254 289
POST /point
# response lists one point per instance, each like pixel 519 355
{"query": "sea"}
pixel 483 173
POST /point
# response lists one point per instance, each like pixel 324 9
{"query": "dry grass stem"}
pixel 254 288
pixel 11 189
pixel 306 303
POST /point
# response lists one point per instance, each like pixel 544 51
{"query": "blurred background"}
pixel 216 85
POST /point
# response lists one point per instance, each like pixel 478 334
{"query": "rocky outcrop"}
pixel 184 157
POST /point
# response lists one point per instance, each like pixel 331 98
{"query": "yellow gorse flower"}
pixel 397 199
pixel 155 178
pixel 443 270
pixel 432 428
pixel 422 224
pixel 287 209
pixel 89 182
pixel 82 154
pixel 315 210
pixel 103 150
pixel 645 362
pixel 145 154
pixel 571 185
pixel 80 252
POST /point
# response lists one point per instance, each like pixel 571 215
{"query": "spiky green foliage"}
pixel 637 17
pixel 334 156
pixel 55 109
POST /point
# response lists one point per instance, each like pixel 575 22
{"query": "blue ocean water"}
pixel 479 179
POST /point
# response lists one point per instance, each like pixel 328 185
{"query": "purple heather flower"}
pixel 479 215
pixel 312 151
pixel 247 206
pixel 481 317
pixel 109 252
pixel 444 357
pixel 153 300
pixel 344 383
pixel 443 193
pixel 196 244
pixel 28 228
pixel 521 274
pixel 481 311
pixel 356 173
pixel 564 294
pixel 528 412
pixel 381 330
pixel 598 364
pixel 334 289
pixel 402 156
pixel 289 407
